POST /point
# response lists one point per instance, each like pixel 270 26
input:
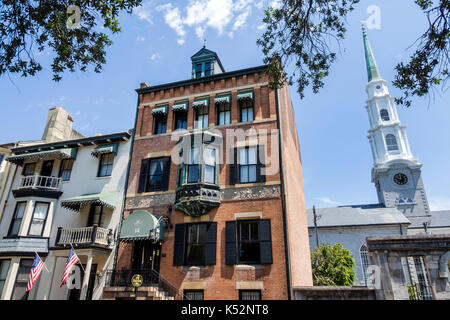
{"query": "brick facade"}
pixel 263 199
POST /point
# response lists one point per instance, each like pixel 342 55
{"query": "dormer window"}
pixel 205 63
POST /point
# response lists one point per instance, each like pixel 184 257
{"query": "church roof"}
pixel 371 64
pixel 438 219
pixel 356 215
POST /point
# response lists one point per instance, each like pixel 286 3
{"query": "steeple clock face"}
pixel 400 179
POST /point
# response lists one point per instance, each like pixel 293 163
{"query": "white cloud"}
pixel 180 41
pixel 140 39
pixel 155 56
pixel 439 203
pixel 144 12
pixel 261 26
pixel 241 19
pixel 173 18
pixel 328 201
pixel 276 4
pixel 259 4
pixel 203 14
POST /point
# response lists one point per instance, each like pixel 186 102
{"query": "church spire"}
pixel 371 64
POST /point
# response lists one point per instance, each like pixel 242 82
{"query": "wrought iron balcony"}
pixel 84 237
pixel 197 199
pixel 37 185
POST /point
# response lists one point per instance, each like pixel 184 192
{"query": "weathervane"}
pixel 204 43
pixel 363 22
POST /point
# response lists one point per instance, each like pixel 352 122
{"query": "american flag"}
pixel 71 261
pixel 35 272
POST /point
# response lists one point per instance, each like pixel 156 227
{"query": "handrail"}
pixel 170 285
pixel 122 278
pixel 38 181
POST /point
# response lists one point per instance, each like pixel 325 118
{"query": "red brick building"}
pixel 215 205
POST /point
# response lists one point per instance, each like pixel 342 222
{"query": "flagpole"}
pixel 77 256
pixel 42 262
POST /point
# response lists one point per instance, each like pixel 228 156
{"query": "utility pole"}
pixel 315 226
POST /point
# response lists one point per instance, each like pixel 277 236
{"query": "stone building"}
pixel 215 206
pixel 62 191
pixel 411 267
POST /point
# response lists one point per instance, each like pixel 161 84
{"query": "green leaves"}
pixel 300 33
pixel 307 35
pixel 332 266
pixel 29 27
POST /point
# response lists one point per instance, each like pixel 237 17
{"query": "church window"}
pixel 364 261
pixel 391 142
pixel 384 114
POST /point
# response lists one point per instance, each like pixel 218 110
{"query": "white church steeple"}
pixel 396 173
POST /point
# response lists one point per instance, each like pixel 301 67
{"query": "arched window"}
pixel 391 142
pixel 364 261
pixel 384 114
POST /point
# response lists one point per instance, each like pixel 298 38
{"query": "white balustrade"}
pixel 38 181
pixel 83 236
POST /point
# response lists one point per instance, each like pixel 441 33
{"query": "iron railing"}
pixel 150 278
pixel 40 182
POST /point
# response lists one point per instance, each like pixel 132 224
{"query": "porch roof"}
pixel 107 199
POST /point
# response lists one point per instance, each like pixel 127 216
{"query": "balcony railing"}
pixel 150 278
pixel 40 182
pixel 89 236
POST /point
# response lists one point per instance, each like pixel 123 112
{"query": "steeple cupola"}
pixel 205 63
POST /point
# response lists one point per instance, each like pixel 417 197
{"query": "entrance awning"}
pixel 142 225
pixel 110 148
pixel 67 153
pixel 107 199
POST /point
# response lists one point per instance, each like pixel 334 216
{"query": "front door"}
pixel 146 255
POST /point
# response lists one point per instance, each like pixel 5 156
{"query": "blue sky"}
pixel 156 44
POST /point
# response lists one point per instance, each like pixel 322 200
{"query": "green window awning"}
pixel 222 99
pixel 180 107
pixel 67 153
pixel 247 95
pixel 110 148
pixel 160 110
pixel 107 199
pixel 201 103
pixel 142 225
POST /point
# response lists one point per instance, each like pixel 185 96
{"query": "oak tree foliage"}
pixel 28 27
pixel 332 266
pixel 308 33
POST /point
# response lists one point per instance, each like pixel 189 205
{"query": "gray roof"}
pixel 438 219
pixel 358 215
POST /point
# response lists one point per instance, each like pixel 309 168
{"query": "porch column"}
pixel 86 277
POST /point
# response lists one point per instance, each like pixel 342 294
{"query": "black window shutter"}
pixel 178 251
pixel 234 168
pixel 230 243
pixel 143 176
pixel 211 243
pixel 265 242
pixel 260 164
pixel 166 175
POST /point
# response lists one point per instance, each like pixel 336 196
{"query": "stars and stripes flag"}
pixel 35 272
pixel 71 261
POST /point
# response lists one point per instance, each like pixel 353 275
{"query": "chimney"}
pixel 58 126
